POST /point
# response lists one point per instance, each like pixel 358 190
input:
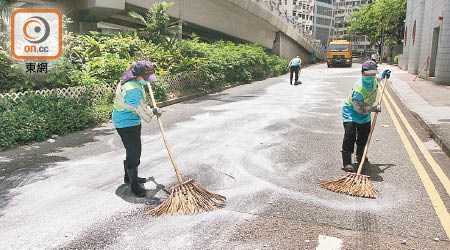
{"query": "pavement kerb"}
pixel 445 145
pixel 203 93
pixel 196 95
pixel 181 99
pixel 429 127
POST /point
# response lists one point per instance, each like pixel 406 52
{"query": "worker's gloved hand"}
pixel 376 108
pixel 386 73
pixel 157 111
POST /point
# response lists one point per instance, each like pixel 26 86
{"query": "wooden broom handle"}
pixel 372 127
pixel 177 172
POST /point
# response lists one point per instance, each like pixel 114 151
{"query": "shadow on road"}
pixel 212 97
pixel 124 192
pixel 222 97
pixel 18 164
pixel 374 171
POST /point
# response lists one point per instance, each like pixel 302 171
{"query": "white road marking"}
pixel 329 243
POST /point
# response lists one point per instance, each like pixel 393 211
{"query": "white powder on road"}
pixel 329 243
pixel 225 138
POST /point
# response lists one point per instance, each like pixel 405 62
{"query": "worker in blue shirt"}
pixel 294 66
pixel 356 113
pixel 129 109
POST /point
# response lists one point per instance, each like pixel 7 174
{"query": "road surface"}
pixel 275 139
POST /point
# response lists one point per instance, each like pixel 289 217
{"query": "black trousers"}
pixel 355 132
pixel 131 139
pixel 294 69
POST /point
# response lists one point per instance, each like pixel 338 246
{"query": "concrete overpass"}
pixel 248 20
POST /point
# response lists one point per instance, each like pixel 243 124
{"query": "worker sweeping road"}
pixel 356 113
pixel 294 67
pixel 129 109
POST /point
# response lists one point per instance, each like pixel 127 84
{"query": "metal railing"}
pixel 175 83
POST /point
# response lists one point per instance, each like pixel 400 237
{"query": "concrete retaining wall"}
pixel 288 48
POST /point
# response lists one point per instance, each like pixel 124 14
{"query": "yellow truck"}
pixel 339 52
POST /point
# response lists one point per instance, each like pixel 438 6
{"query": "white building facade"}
pixel 315 17
pixel 323 21
pixel 426 44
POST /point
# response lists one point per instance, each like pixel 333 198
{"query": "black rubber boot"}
pixel 126 179
pixel 135 187
pixel 359 154
pixel 347 161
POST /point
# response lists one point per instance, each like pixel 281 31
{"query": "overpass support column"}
pixel 276 48
pixel 286 47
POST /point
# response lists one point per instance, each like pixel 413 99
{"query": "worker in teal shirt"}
pixel 129 109
pixel 356 113
pixel 128 118
pixel 294 67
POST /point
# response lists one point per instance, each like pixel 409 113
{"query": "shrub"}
pixel 229 62
pixel 396 58
pixel 160 90
pixel 96 58
pixel 11 77
pixel 35 117
pixel 99 59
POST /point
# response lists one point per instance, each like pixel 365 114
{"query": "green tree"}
pixel 381 21
pixel 158 26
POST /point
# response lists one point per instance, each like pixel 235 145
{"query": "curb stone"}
pixel 437 131
pixel 434 134
pixel 199 94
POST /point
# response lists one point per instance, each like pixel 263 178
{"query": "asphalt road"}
pixel 275 139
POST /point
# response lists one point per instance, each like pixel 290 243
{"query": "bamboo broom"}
pixel 357 184
pixel 186 197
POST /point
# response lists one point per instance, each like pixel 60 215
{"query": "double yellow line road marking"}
pixel 435 198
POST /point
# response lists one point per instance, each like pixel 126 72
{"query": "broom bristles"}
pixel 188 198
pixel 352 184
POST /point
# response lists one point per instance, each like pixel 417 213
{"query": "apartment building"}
pixel 313 16
pixel 300 11
pixel 323 21
pixel 343 10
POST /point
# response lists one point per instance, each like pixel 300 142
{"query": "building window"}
pixel 294 13
pixel 323 21
pixel 324 11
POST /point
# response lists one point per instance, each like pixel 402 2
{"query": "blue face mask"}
pixel 369 79
pixel 143 82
